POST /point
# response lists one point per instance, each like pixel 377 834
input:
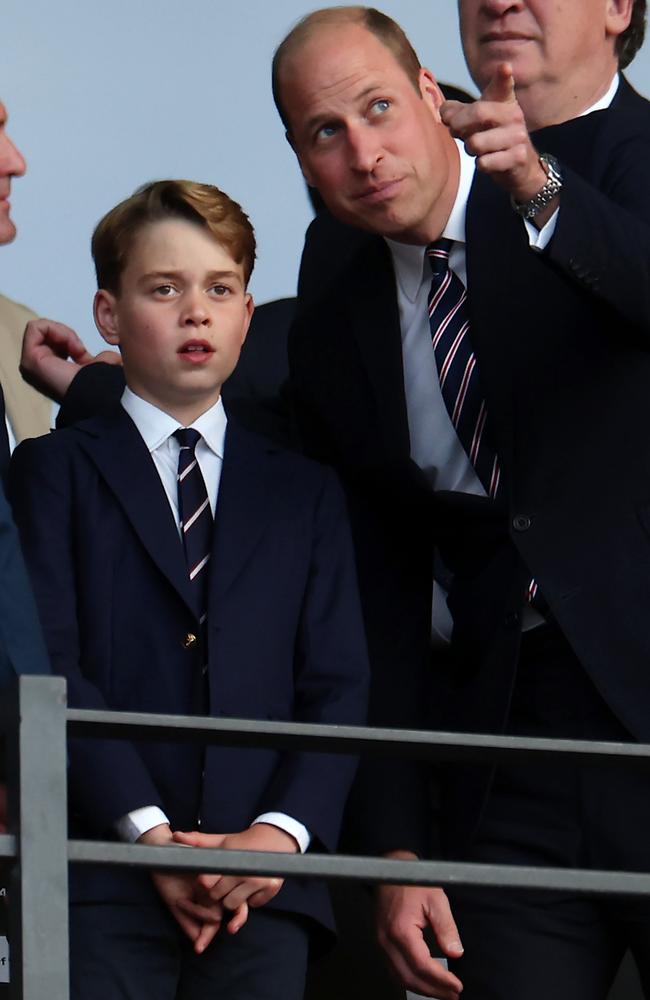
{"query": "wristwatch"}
pixel 529 209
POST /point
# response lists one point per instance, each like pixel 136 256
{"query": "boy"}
pixel 150 605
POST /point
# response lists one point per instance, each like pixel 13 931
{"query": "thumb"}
pixel 501 87
pixel 196 839
pixel 444 926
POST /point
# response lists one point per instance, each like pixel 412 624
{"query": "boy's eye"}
pixel 220 290
pixel 164 290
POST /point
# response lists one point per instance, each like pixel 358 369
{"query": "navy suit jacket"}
pixel 22 649
pixel 561 339
pixel 285 634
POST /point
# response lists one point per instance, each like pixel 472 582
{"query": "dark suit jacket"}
pixel 285 633
pixel 561 339
pixel 22 649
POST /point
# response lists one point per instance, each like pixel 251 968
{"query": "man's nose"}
pixel 12 161
pixel 364 149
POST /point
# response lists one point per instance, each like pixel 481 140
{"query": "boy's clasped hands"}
pixel 202 903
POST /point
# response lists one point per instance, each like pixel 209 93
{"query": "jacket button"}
pixel 512 619
pixel 521 522
pixel 189 641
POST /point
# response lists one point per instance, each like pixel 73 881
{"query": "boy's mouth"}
pixel 195 351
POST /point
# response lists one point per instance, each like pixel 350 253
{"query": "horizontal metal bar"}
pixel 8 846
pixel 420 744
pixel 360 868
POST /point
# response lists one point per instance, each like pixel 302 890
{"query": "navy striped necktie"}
pixel 456 364
pixel 195 516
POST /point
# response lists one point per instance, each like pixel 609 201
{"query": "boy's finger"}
pixel 238 919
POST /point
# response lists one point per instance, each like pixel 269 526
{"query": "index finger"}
pixel 501 87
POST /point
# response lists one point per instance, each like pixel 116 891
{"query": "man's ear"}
pixel 431 92
pixel 105 313
pixel 618 15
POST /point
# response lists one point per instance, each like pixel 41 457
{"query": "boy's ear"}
pixel 250 309
pixel 105 315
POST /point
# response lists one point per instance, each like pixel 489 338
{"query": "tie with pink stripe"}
pixel 195 517
pixel 456 363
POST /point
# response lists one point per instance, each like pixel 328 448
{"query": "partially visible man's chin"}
pixel 7 229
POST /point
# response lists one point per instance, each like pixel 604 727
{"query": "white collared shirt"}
pixel 435 446
pixel 157 429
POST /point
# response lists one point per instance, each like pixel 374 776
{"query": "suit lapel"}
pixel 375 326
pixel 121 456
pixel 493 233
pixel 244 505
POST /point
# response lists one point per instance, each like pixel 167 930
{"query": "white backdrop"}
pixel 106 96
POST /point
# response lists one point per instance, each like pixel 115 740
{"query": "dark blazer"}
pixel 285 633
pixel 561 339
pixel 22 649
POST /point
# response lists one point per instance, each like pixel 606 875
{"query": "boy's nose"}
pixel 195 313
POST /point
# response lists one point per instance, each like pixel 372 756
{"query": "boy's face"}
pixel 180 317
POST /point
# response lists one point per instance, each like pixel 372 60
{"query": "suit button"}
pixel 189 641
pixel 521 522
pixel 512 619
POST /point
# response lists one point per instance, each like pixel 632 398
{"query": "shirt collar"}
pixel 605 100
pixel 156 426
pixel 408 260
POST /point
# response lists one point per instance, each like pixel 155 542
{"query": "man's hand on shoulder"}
pixel 403 913
pixel 494 131
pixel 53 354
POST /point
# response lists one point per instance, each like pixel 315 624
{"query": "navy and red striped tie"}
pixel 195 517
pixel 456 364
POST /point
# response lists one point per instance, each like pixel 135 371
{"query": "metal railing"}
pixel 38 723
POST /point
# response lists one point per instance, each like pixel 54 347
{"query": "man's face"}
pixel 11 165
pixel 180 318
pixel 546 41
pixel 367 138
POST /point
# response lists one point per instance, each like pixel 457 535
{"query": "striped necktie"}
pixel 456 364
pixel 195 517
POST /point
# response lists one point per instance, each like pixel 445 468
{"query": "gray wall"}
pixel 105 96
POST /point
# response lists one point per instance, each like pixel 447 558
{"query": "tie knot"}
pixel 437 254
pixel 187 437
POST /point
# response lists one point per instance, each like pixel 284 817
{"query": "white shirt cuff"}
pixel 291 826
pixel 539 239
pixel 135 823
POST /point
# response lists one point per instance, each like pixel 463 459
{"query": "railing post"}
pixel 38 888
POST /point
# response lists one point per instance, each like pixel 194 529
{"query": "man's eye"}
pixel 164 290
pixel 326 132
pixel 221 290
pixel 380 107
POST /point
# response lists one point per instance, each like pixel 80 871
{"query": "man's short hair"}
pixel 201 204
pixel 630 41
pixel 380 25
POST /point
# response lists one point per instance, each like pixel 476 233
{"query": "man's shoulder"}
pixel 286 465
pixel 334 259
pixel 14 315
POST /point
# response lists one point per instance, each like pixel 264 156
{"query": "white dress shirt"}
pixel 435 446
pixel 157 429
